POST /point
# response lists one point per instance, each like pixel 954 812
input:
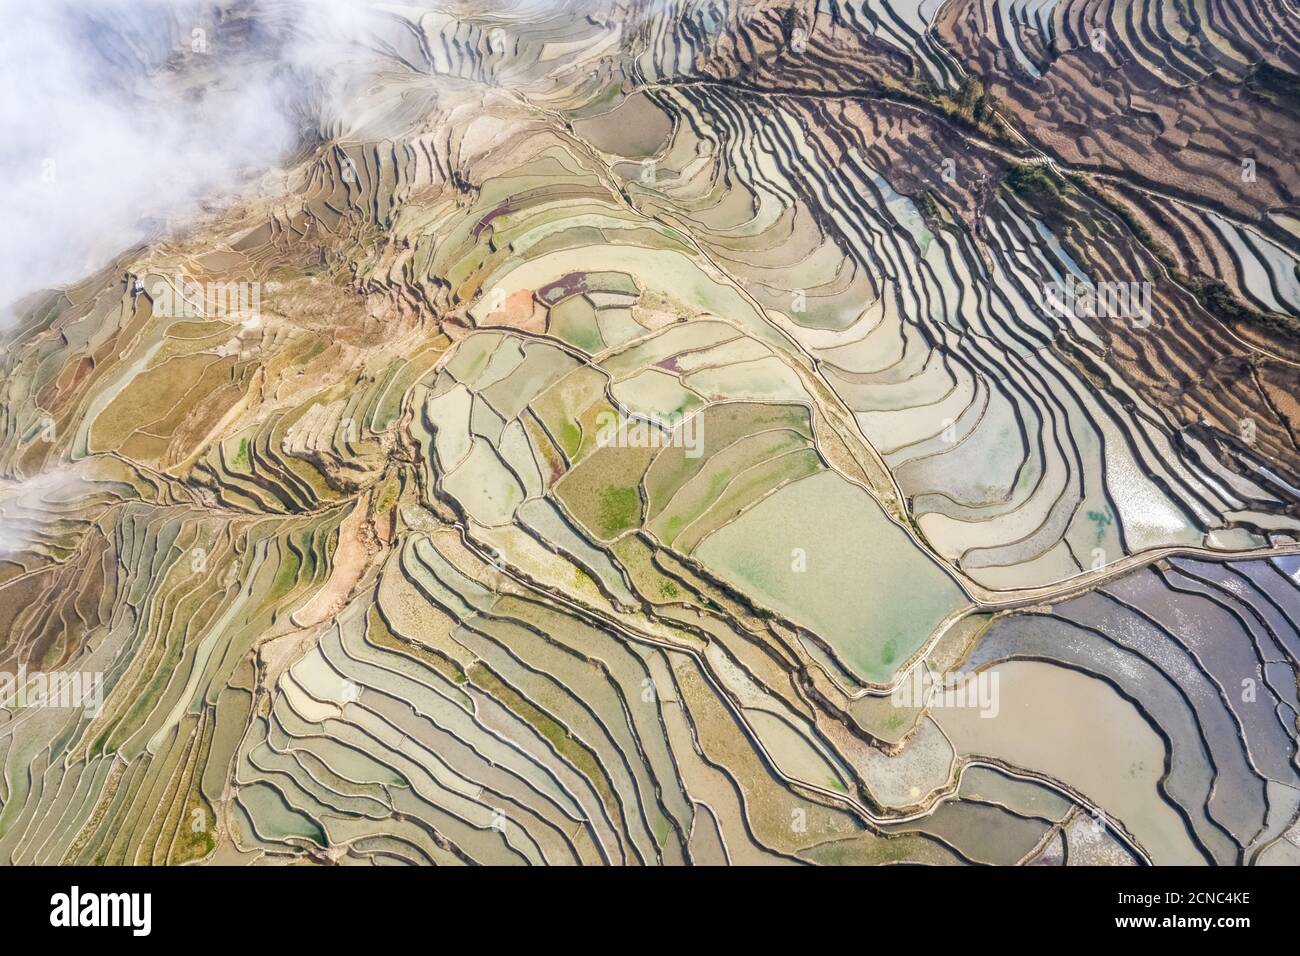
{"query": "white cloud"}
pixel 112 120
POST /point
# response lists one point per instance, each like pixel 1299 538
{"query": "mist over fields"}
pixel 120 115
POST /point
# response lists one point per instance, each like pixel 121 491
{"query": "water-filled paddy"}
pixel 867 590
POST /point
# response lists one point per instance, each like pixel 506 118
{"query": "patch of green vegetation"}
pixel 1214 294
pixel 1103 520
pixel 889 652
pixel 926 206
pixel 1041 188
pixel 388 498
pixel 240 459
pixel 194 840
pixel 662 829
pixel 973 102
pixel 570 437
pixel 1125 213
pixel 620 509
pixel 1280 87
pixel 286 575
pixel 753 569
pixel 113 738
pixel 972 106
pixel 1219 300
pixel 893 722
pixel 572 750
pixel 669 590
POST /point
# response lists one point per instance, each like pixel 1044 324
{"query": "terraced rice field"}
pixel 636 404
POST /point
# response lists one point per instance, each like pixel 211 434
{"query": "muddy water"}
pixel 1077 729
pixel 636 128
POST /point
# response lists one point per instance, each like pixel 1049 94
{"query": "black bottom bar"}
pixel 251 907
